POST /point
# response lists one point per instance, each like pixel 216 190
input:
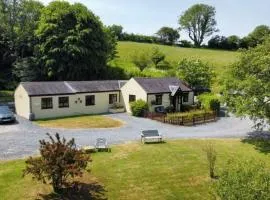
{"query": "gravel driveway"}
pixel 21 139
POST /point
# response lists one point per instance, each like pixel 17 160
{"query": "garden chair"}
pixel 101 144
pixel 151 136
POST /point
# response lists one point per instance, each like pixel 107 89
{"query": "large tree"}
pixel 258 35
pixel 247 86
pixel 196 73
pixel 199 22
pixel 168 35
pixel 73 45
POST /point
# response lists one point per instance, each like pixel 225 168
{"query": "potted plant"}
pixel 117 108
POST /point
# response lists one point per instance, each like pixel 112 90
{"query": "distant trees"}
pixel 117 31
pixel 168 35
pixel 199 22
pixel 258 35
pixel 228 43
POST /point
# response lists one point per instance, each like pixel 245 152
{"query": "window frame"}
pixel 92 102
pixel 133 99
pixel 159 99
pixel 63 104
pixel 113 98
pixel 185 96
pixel 48 103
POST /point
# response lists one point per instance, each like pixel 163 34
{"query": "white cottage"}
pixel 158 92
pixel 39 100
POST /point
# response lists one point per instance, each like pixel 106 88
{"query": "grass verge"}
pixel 81 122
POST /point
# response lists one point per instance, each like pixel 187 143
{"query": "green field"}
pixel 173 170
pixel 218 59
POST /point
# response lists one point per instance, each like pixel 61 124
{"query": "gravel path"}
pixel 21 139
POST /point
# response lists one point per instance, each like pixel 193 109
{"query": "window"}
pixel 185 97
pixel 46 103
pixel 132 98
pixel 90 100
pixel 63 102
pixel 159 99
pixel 112 98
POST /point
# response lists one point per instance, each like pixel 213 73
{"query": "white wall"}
pixel 165 101
pixel 132 88
pixel 190 99
pixel 101 105
pixel 22 102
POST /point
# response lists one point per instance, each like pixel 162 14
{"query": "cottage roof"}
pixel 70 87
pixel 162 85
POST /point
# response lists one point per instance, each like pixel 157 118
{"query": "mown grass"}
pixel 80 122
pixel 220 60
pixel 173 170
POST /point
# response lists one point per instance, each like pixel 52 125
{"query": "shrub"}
pixel 211 155
pixel 209 101
pixel 59 162
pixel 163 65
pixel 243 180
pixel 157 56
pixel 186 108
pixel 169 109
pixel 138 108
pixel 141 60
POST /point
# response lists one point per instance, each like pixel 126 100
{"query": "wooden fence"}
pixel 183 120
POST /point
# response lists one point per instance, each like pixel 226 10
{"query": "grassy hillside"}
pixel 220 60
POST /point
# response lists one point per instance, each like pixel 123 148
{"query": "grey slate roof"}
pixel 46 88
pixel 70 87
pixel 161 85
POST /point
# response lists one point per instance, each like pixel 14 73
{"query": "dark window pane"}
pixel 132 98
pixel 63 102
pixel 158 99
pixel 185 97
pixel 112 98
pixel 46 103
pixel 90 100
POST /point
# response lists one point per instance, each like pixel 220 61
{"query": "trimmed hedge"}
pixel 138 108
pixel 209 101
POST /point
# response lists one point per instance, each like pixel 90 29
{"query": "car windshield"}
pixel 4 110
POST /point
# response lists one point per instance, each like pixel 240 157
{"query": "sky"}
pixel 234 17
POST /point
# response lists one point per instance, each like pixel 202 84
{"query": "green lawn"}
pixel 173 170
pixel 220 60
pixel 81 122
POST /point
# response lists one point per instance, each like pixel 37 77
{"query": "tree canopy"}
pixel 195 73
pixel 168 35
pixel 247 86
pixel 258 35
pixel 199 22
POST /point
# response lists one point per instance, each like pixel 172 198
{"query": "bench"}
pixel 148 136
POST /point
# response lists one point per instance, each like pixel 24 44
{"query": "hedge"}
pixel 138 108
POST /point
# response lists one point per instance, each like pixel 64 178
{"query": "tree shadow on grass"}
pixel 260 139
pixel 81 191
